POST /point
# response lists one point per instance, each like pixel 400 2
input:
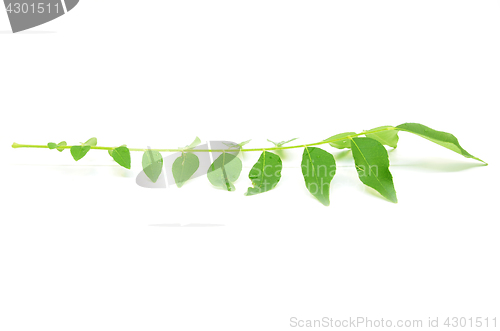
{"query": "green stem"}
pixel 16 145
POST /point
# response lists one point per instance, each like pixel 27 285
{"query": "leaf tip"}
pixel 251 191
pixel 478 159
pixel 325 203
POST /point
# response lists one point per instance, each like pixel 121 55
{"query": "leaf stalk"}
pixel 275 148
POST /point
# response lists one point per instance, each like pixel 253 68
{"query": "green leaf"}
pixel 152 164
pixel 110 152
pixel 372 164
pixel 265 174
pixel 244 142
pixel 234 145
pixel 61 145
pixel 281 143
pixel 340 140
pixel 388 137
pixel 195 143
pixel 224 171
pixel 91 142
pixel 122 156
pixel 444 139
pixel 58 146
pixel 318 169
pixel 79 151
pixel 184 167
pixel 240 145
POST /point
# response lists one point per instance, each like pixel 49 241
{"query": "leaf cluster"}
pixel 318 165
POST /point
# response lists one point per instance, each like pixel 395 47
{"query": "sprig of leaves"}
pixel 318 166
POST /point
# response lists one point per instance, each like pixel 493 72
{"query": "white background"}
pixel 82 247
